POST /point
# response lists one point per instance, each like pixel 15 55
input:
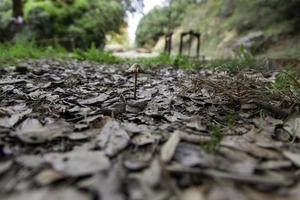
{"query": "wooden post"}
pixel 168 42
pixel 191 34
pixel 181 43
pixel 198 35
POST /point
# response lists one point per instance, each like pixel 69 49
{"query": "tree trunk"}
pixel 17 8
pixel 17 21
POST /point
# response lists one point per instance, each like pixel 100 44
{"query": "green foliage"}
pixel 151 27
pixel 86 22
pixel 261 15
pixel 275 18
pixel 22 49
pixel 96 54
pixel 288 80
pixel 83 21
pixel 5 17
pixel 243 60
pixel 231 65
pixel 243 54
pixel 213 144
pixel 230 117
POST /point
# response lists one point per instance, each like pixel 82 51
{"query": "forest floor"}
pixel 72 130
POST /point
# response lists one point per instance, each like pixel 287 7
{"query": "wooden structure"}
pixel 168 42
pixel 191 35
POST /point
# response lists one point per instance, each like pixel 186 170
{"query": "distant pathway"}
pixel 135 54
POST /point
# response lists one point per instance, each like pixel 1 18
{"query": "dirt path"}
pixel 71 130
pixel 135 54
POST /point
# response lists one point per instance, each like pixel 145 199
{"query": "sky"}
pixel 133 19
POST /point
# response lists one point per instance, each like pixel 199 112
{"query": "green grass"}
pixel 11 52
pixel 213 144
pixel 232 65
pixel 22 49
pixel 287 80
pixel 107 57
pixel 96 55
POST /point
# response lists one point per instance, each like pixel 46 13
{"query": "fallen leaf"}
pixel 145 138
pixel 169 147
pixel 113 138
pixel 192 194
pixel 195 122
pixel 225 192
pixel 11 121
pixel 30 161
pixel 292 126
pixel 110 184
pixel 153 175
pixel 78 163
pixel 48 176
pixel 50 194
pixel 136 106
pixel 294 157
pixel 94 100
pixel 240 143
pixel 32 131
pixel 4 166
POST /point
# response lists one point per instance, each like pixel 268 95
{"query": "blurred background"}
pixel 268 28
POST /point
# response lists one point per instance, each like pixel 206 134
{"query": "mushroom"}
pixel 135 69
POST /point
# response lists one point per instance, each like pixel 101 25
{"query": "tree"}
pixel 17 14
pixel 134 5
pixel 160 21
pixel 82 21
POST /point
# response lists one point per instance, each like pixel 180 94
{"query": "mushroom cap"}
pixel 135 68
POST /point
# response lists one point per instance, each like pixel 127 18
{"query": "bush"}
pixel 82 21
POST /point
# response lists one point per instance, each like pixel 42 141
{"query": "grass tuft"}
pixel 213 144
pixel 287 80
pixel 96 54
pixel 231 65
pixel 21 49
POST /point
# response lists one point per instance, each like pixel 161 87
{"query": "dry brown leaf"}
pixel 169 147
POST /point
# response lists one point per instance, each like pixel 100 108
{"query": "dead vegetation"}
pixel 73 130
pixel 252 87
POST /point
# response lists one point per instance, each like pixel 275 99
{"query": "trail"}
pixel 135 54
pixel 72 130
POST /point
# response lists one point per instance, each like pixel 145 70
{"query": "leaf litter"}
pixel 73 130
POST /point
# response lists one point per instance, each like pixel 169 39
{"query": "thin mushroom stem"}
pixel 135 83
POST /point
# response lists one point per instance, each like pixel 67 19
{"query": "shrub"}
pixel 82 21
